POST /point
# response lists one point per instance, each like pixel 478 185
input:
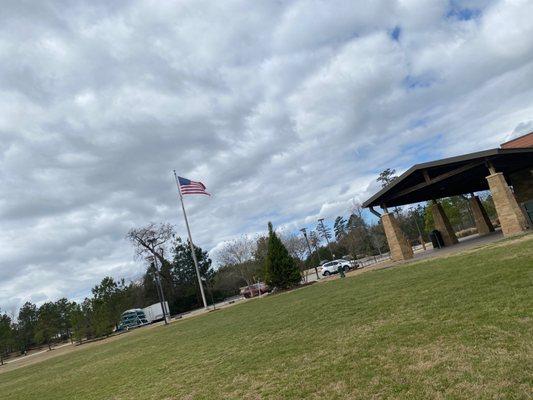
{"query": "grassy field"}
pixel 459 327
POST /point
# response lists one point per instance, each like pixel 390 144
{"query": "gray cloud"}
pixel 286 110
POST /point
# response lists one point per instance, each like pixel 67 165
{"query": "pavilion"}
pixel 506 171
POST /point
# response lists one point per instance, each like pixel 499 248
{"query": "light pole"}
pixel 321 223
pixel 158 285
pixel 304 231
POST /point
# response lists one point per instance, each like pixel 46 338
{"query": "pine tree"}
pixel 78 323
pixel 281 270
pixel 48 324
pixel 340 227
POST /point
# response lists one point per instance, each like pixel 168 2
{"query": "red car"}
pixel 254 290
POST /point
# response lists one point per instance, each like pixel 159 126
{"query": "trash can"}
pixel 436 239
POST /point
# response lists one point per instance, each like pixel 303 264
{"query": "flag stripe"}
pixel 191 187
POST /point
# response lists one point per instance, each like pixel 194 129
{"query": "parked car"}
pixel 332 267
pixel 254 290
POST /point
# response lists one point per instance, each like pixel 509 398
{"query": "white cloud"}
pixel 286 110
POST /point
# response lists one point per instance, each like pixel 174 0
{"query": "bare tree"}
pixel 237 251
pixel 296 245
pixel 148 239
pixel 314 238
pixel 239 254
pixel 356 208
pixel 359 239
pixel 151 240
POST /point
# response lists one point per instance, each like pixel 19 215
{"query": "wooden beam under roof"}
pixel 430 181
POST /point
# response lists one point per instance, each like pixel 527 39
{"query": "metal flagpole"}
pixel 191 243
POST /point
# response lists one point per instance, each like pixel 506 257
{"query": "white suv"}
pixel 332 267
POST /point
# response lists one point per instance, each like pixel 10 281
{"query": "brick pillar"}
pixel 400 249
pixel 512 219
pixel 442 224
pixel 483 224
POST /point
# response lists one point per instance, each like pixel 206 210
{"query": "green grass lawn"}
pixel 459 327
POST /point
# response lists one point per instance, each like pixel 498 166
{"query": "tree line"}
pixel 99 315
pixel 64 320
pixel 278 259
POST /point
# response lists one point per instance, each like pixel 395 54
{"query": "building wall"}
pixel 522 181
pixel 519 142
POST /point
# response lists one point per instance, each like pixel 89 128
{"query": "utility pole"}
pixel 159 287
pixel 317 252
pixel 325 233
pixel 304 231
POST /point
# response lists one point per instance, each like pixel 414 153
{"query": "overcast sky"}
pixel 286 110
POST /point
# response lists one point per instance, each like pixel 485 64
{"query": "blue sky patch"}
pixel 458 12
pixel 395 33
pixel 416 82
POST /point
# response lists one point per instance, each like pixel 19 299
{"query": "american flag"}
pixel 191 187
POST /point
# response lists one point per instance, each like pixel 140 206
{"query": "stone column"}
pixel 483 224
pixel 400 249
pixel 442 224
pixel 512 219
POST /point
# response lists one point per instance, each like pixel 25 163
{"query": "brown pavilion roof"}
pixel 450 176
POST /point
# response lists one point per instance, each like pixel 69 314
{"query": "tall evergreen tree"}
pixel 281 270
pixel 387 176
pixel 324 232
pixel 6 336
pixel 48 324
pixel 64 308
pixel 27 321
pixel 78 322
pixel 340 227
pixel 184 274
pixel 183 269
pixel 111 299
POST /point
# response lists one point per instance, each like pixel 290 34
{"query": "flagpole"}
pixel 191 243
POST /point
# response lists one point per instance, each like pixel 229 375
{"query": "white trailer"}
pixel 155 312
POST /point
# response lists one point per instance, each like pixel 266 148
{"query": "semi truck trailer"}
pixel 155 312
